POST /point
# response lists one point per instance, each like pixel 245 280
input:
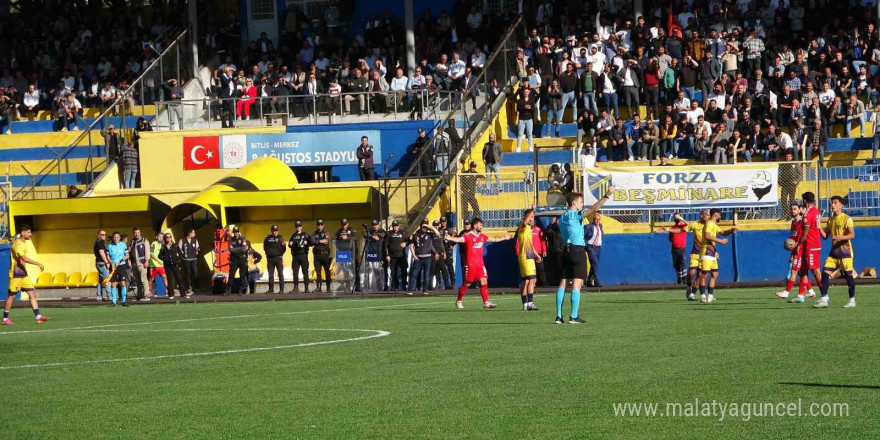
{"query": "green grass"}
pixel 441 373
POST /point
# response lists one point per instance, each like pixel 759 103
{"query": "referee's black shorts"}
pixel 574 263
pixel 121 274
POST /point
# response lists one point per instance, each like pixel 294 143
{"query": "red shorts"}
pixel 474 273
pixel 155 271
pixel 810 260
pixel 796 264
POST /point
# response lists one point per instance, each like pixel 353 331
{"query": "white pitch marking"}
pixel 376 334
pixel 217 318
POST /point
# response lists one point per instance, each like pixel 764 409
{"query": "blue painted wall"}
pixel 396 139
pixel 5 256
pixel 646 258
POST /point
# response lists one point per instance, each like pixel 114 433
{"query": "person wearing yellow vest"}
pixel 18 277
pixel 157 267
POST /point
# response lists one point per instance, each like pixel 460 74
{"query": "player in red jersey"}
pixel 475 271
pixel 810 240
pixel 794 265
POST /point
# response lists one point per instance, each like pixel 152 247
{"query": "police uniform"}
pixel 423 250
pixel 395 251
pixel 237 263
pixel 274 247
pixel 346 241
pixel 299 251
pixel 373 278
pixel 321 253
pixel 439 271
pixel 449 247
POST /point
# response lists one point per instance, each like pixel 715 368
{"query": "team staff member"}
pixel 274 247
pixel 709 254
pixel 448 248
pixel 118 253
pixel 299 252
pixel 102 265
pixel 678 241
pixel 321 255
pixel 395 256
pixel 171 257
pixel 574 260
pixel 189 248
pixel 439 272
pixel 19 281
pixel 527 256
pixel 157 266
pixel 593 235
pixel 422 248
pixel 139 257
pixel 237 262
pixel 841 231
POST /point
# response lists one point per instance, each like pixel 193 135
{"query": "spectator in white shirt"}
pixel 68 80
pixel 30 103
pixel 598 60
pixel 478 60
pixel 322 63
pixel 456 69
pixel 399 85
pixel 108 95
pixel 694 113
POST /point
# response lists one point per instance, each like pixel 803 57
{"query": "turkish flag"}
pixel 201 153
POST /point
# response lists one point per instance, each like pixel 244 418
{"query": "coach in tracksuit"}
pixel 274 248
pixel 395 256
pixel 189 249
pixel 238 262
pixel 321 254
pixel 422 249
pixel 299 252
pixel 449 248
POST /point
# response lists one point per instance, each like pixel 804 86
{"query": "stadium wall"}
pixel 646 258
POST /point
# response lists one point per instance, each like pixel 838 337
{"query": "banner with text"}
pixel 311 149
pixel 680 187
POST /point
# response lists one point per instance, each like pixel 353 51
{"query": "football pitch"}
pixel 417 368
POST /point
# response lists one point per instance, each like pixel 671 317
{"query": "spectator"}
pixel 68 110
pixel 650 140
pixel 399 86
pixel 377 88
pixel 616 149
pixel 365 160
pixel 129 165
pixel 30 103
pixel 7 106
pixel 554 109
pixel 855 111
pixel 73 192
pixel 245 101
pixel 492 155
pixel 107 96
pixel 525 108
pixel 173 96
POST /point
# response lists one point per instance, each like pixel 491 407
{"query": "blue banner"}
pixel 312 149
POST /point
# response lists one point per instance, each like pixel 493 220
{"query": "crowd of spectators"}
pixel 717 78
pixel 52 51
pixel 321 65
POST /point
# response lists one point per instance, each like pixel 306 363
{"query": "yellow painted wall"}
pixel 162 159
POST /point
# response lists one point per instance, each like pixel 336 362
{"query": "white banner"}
pixel 684 186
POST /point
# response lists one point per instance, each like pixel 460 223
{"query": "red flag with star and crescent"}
pixel 201 153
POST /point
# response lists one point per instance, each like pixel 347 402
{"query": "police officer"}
pixel 374 259
pixel 438 267
pixel 274 247
pixel 395 256
pixel 346 240
pixel 238 261
pixel 299 251
pixel 422 249
pixel 321 253
pixel 189 249
pixel 449 248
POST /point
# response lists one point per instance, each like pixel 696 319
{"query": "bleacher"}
pixel 44 122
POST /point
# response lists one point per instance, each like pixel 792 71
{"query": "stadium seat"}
pixel 91 279
pixel 59 280
pixel 74 280
pixel 44 280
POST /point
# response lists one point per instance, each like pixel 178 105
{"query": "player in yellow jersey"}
pixel 693 277
pixel 18 277
pixel 709 254
pixel 527 257
pixel 841 231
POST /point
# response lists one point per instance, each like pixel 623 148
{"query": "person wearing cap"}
pixel 320 243
pixel 449 248
pixel 299 252
pixel 422 248
pixel 395 257
pixel 189 249
pixel 438 268
pixel 238 262
pixel 372 271
pixel 274 247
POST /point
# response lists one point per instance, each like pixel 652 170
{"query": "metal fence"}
pixel 5 195
pixel 174 61
pixel 325 108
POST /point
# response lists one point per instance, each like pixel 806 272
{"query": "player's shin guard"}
pixel 461 291
pixel 484 292
pixel 850 283
pixel 560 297
pixel 124 293
pixel 824 287
pixel 575 303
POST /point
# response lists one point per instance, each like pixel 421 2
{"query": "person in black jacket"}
pixel 274 247
pixel 299 252
pixel 439 271
pixel 320 242
pixel 227 93
pixel 189 248
pixel 171 258
pixel 553 261
pixel 422 249
pixel 395 257
pixel 237 262
pixel 372 271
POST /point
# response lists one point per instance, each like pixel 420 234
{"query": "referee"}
pixel 574 260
